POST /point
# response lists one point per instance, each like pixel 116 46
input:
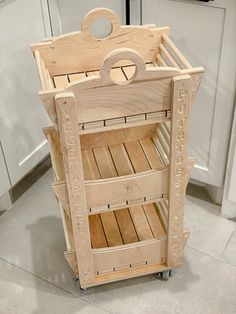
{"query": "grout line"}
pixel 37 276
pixel 212 256
pixel 230 237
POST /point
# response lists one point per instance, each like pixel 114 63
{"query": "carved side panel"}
pixel 70 144
pixel 181 93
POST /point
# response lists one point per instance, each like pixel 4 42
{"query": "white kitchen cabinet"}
pixel 229 197
pixel 22 22
pixel 67 16
pixel 4 179
pixel 205 33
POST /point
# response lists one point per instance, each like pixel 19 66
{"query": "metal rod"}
pixel 127 12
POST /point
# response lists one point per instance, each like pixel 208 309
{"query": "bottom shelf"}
pixel 128 225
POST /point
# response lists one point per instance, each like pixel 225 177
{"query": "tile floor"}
pixel 34 277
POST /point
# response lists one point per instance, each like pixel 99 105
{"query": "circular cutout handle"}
pixel 119 55
pixel 100 13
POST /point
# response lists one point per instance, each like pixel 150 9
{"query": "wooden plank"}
pixel 131 255
pixel 91 73
pixel 89 165
pixel 140 222
pixel 68 128
pixel 137 157
pixel 166 53
pixel 178 55
pixel 154 221
pixel 117 75
pixel 73 77
pixel 98 238
pixel 121 160
pixel 119 136
pixel 151 154
pixel 107 170
pixel 178 167
pixel 60 81
pixel 140 163
pixel 136 212
pixel 123 167
pixel 129 188
pixel 129 71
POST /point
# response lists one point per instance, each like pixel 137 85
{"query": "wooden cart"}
pixel 119 107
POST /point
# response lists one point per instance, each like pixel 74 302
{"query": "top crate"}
pixel 137 62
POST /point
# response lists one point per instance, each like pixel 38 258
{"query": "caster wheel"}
pixel 165 275
pixel 77 284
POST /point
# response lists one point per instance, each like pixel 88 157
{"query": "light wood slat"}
pixel 164 143
pixel 123 167
pixel 121 160
pixel 104 162
pixel 133 188
pixel 165 132
pixel 140 222
pixel 89 164
pixel 119 136
pixel 151 154
pixel 76 76
pixel 126 226
pixel 107 170
pixel 162 216
pixel 129 71
pixel 140 163
pixel 117 75
pixel 137 157
pixel 136 212
pixel 168 56
pixel 60 81
pixel 98 238
pixel 169 44
pixel 91 73
pixel 154 221
pixel 161 61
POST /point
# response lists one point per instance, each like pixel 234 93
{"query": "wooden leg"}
pixel 71 150
pixel 181 93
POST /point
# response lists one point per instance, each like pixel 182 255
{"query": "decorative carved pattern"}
pixel 178 168
pixel 69 134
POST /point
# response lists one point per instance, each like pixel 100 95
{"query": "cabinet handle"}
pixel 205 0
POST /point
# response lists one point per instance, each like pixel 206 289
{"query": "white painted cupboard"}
pixel 205 33
pixel 21 115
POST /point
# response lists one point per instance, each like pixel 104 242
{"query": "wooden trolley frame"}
pixel 120 112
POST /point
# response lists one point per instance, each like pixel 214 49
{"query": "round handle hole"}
pixel 101 28
pixel 123 72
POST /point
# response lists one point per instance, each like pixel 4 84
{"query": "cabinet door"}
pixel 21 113
pixel 4 180
pixel 205 33
pixel 67 16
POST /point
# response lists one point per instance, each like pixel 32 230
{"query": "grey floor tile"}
pixel 23 293
pixel 210 233
pixel 31 237
pixel 230 250
pixel 203 285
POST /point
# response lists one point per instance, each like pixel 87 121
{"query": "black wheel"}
pixel 165 275
pixel 77 284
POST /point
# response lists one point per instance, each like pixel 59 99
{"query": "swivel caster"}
pixel 165 275
pixel 77 284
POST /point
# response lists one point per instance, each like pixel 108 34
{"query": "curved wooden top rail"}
pixel 80 51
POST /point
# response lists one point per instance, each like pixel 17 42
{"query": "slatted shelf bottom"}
pixel 126 225
pixel 122 73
